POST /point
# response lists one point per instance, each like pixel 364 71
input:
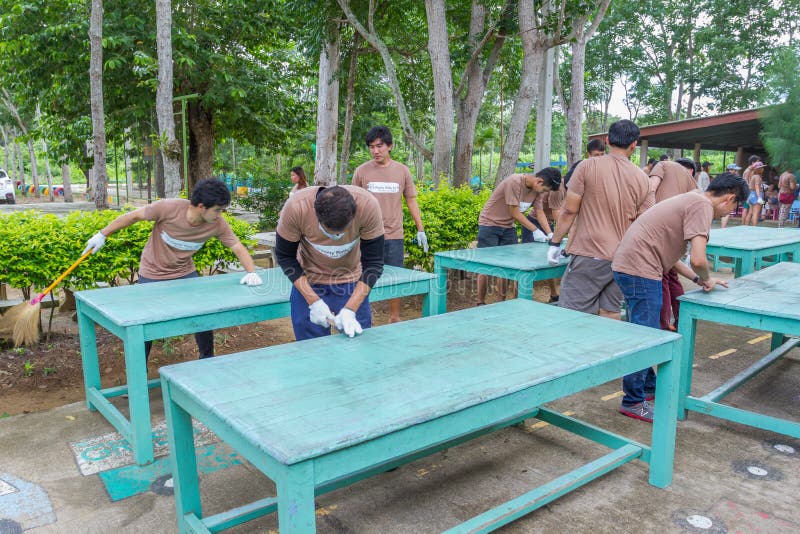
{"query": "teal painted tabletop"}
pixel 523 256
pixel 305 399
pixel 752 237
pixel 148 303
pixel 772 291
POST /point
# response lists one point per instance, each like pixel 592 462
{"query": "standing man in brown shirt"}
pixel 604 197
pixel 509 201
pixel 390 181
pixel 329 243
pixel 669 179
pixel 181 228
pixel 653 245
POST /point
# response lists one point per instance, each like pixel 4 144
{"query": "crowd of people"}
pixel 627 231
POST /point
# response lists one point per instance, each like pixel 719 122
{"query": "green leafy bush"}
pixel 450 218
pixel 36 248
pixel 267 197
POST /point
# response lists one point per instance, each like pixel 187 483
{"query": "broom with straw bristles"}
pixel 21 323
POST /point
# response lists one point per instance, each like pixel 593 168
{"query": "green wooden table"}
pixel 321 414
pixel 138 313
pixel 749 245
pixel 766 300
pixel 524 263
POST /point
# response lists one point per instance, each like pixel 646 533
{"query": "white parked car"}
pixel 7 194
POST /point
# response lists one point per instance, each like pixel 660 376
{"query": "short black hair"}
pixel 622 133
pixel 706 164
pixel 652 161
pixel 687 163
pixel 551 177
pixel 752 159
pixel 379 132
pixel 596 144
pixel 663 157
pixel 729 182
pixel 335 207
pixel 210 193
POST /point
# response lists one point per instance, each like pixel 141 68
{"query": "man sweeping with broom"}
pixel 181 228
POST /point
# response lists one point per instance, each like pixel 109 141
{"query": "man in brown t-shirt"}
pixel 653 245
pixel 669 179
pixel 329 243
pixel 180 229
pixel 509 201
pixel 604 197
pixel 390 181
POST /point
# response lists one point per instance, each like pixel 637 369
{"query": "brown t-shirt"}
pixel 511 192
pixel 613 193
pixel 675 180
pixel 389 184
pixel 324 260
pixel 657 239
pixel 168 253
pixel 554 200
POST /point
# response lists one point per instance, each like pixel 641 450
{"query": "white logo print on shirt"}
pixel 335 251
pixel 383 187
pixel 523 206
pixel 180 244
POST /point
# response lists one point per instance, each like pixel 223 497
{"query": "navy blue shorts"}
pixel 393 253
pixel 495 236
pixel 335 296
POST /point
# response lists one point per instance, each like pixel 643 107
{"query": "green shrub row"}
pixel 450 218
pixel 36 248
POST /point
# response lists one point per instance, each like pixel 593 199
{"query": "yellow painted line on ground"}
pixel 612 396
pixel 542 424
pixel 721 354
pixel 325 510
pixel 759 339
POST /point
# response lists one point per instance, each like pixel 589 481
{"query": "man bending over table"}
pixel 653 245
pixel 329 244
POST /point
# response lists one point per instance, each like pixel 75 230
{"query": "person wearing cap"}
pixel 604 197
pixel 704 178
pixel 756 197
pixel 654 245
pixel 669 179
pixel 509 201
pixel 747 174
pixel 329 244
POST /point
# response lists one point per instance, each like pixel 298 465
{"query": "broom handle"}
pixel 63 275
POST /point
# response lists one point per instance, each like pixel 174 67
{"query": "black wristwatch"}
pixel 696 280
pixel 550 242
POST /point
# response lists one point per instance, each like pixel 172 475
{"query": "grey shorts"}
pixel 588 286
pixel 495 236
pixel 393 253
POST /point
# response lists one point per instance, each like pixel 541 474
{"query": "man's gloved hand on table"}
pixel 555 252
pixel 319 313
pixel 251 279
pixel 539 236
pixel 346 322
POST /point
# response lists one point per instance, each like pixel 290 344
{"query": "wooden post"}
pixel 696 155
pixel 740 157
pixel 643 153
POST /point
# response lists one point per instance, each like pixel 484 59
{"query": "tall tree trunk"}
pixel 96 99
pixel 21 164
pixel 347 135
pixel 8 154
pixel 65 179
pixel 575 108
pixel 159 174
pixel 439 51
pixel 34 169
pixel 328 109
pixel 170 147
pixel 469 106
pixel 48 170
pixel 128 166
pixel 533 49
pixel 201 143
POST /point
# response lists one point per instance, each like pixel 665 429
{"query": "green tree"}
pixel 781 133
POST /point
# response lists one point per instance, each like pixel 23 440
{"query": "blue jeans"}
pixel 204 340
pixel 335 296
pixel 643 297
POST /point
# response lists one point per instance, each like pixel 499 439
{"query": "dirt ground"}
pixel 49 374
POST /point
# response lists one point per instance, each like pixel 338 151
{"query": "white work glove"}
pixel 539 236
pixel 319 313
pixel 554 255
pixel 95 243
pixel 346 322
pixel 550 236
pixel 760 201
pixel 422 240
pixel 251 279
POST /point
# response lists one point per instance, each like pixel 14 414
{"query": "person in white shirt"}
pixel 704 178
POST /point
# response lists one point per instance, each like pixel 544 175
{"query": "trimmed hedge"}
pixel 35 248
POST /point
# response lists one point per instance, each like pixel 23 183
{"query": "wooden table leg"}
pixel 138 397
pixel 687 327
pixel 662 455
pixel 296 499
pixel 89 358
